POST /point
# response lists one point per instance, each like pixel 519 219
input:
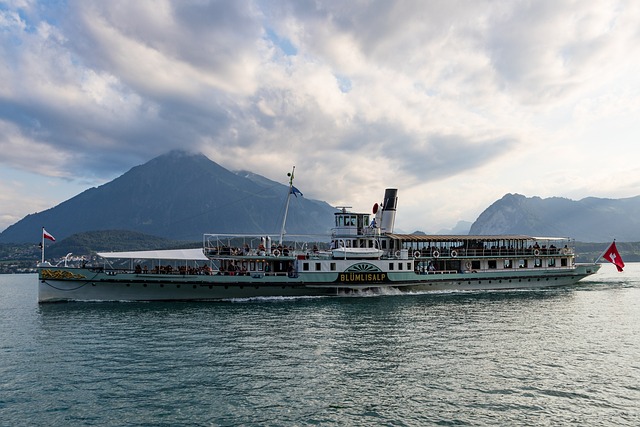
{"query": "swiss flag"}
pixel 47 235
pixel 613 256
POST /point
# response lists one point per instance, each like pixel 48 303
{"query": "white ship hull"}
pixel 65 284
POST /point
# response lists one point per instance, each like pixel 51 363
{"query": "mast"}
pixel 286 209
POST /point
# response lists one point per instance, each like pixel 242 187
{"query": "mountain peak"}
pixel 178 195
pixel 587 220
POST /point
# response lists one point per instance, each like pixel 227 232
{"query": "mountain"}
pixel 588 220
pixel 178 196
pixel 462 227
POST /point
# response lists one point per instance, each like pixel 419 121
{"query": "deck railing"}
pixel 488 253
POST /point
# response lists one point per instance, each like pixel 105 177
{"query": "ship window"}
pixel 384 244
pixel 399 266
pixel 333 266
pixel 563 262
pixel 475 265
pixel 507 263
pixel 551 262
pixel 492 264
pixel 260 266
pixel 252 266
pixel 408 266
pixel 537 263
pixel 522 263
pixel 390 266
pixel 305 266
pixel 318 266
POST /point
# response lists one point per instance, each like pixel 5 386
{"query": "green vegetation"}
pixel 23 257
pixel 588 252
pixel 19 258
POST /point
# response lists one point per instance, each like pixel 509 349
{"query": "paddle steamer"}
pixel 362 254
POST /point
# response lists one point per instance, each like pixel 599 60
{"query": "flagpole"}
pixel 42 260
pixel 604 252
pixel 286 209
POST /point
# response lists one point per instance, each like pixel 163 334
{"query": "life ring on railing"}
pixel 536 252
pixel 436 254
pixel 276 252
pixel 468 265
pixel 454 254
pixel 397 254
pixel 565 251
pixel 416 254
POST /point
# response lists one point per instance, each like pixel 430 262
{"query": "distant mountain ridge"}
pixel 588 220
pixel 178 196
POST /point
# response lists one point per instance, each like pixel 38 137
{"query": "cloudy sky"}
pixel 456 103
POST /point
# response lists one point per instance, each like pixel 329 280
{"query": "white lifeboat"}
pixel 356 253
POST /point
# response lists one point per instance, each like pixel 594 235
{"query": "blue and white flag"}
pixel 295 191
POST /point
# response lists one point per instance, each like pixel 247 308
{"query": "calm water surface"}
pixel 529 357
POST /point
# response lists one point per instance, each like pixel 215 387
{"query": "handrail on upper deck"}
pixel 478 253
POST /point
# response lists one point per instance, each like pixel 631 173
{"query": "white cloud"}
pixel 455 103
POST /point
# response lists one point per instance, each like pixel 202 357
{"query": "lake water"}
pixel 567 356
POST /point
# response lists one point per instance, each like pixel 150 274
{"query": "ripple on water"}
pixel 529 357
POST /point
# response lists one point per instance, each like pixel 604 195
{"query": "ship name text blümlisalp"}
pixel 362 277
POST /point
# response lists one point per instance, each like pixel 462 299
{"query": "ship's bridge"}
pixel 350 223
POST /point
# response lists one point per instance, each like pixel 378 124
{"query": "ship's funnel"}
pixel 388 215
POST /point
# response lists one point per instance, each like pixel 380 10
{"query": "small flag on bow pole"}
pixel 613 256
pixel 47 235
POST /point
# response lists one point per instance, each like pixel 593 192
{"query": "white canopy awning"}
pixel 173 254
